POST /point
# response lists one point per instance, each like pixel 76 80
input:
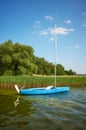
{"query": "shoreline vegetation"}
pixel 42 81
pixel 17 59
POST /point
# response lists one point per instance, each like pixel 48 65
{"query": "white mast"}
pixel 55 45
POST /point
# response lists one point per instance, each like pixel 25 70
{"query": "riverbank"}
pixel 41 81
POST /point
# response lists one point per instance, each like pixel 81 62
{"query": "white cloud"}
pixel 61 31
pixel 84 25
pixel 52 31
pixel 49 17
pixel 84 21
pixel 44 32
pixel 84 13
pixel 37 22
pixel 52 39
pixel 36 26
pixel 76 46
pixel 68 21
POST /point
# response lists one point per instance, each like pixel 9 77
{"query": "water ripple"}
pixel 64 111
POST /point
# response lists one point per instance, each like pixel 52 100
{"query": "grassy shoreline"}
pixel 41 81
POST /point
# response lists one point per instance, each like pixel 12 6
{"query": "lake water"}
pixel 63 111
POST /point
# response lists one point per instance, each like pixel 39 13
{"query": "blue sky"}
pixel 32 22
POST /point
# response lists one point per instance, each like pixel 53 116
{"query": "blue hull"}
pixel 43 91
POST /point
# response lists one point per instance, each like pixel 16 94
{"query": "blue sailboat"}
pixel 46 90
pixel 42 91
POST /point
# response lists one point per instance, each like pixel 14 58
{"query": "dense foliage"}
pixel 18 59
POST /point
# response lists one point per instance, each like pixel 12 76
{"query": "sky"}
pixel 36 23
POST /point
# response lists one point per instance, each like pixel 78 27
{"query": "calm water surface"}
pixel 63 111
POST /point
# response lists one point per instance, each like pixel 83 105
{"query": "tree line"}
pixel 18 59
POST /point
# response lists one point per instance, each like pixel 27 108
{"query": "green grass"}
pixel 41 81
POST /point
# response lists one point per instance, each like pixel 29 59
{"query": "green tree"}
pixel 70 72
pixel 60 69
pixel 43 66
pixel 18 59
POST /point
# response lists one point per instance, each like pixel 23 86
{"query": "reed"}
pixel 41 81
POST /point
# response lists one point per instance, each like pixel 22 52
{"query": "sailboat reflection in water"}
pixel 16 103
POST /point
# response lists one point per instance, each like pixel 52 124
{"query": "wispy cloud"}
pixel 49 17
pixel 45 32
pixel 58 31
pixel 84 21
pixel 76 46
pixel 52 39
pixel 37 24
pixel 61 31
pixel 84 25
pixel 84 13
pixel 68 21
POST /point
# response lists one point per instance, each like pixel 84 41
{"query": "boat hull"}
pixel 43 91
